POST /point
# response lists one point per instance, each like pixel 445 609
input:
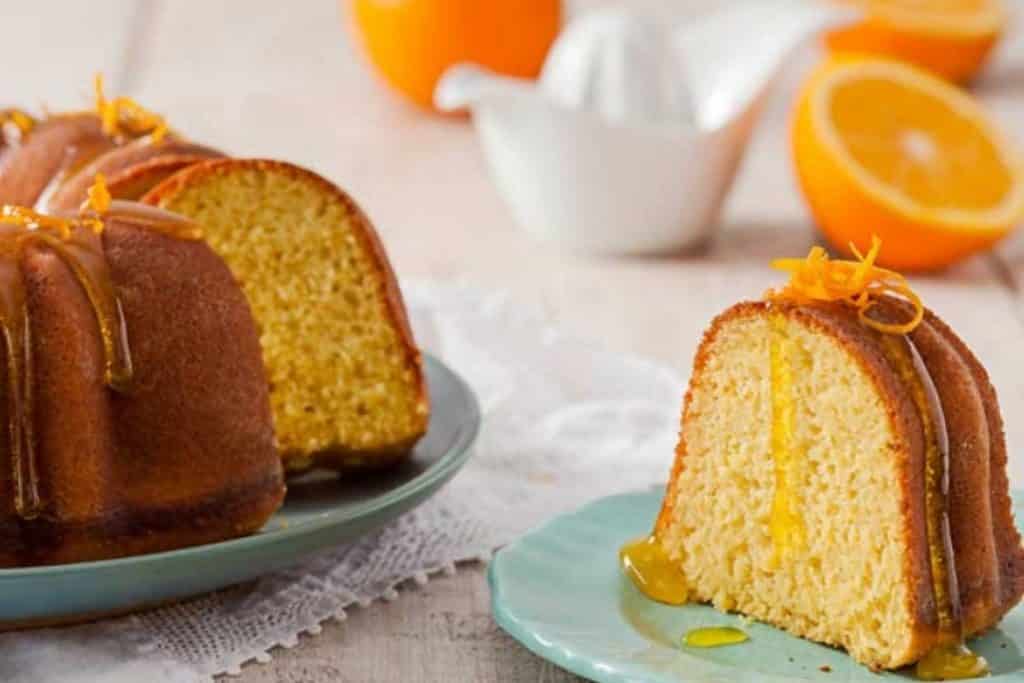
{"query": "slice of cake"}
pixel 347 385
pixel 841 474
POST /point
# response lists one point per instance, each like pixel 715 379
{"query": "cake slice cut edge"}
pixel 347 382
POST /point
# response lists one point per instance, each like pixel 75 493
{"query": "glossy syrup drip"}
pixel 83 254
pixel 786 525
pixel 651 570
pixel 908 364
pixel 714 636
pixel 951 663
pixel 17 344
pixel 154 219
pixel 78 243
pixel 951 659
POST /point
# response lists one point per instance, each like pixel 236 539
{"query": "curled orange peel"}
pixel 21 121
pixel 96 204
pixel 124 116
pixel 90 215
pixel 98 199
pixel 859 283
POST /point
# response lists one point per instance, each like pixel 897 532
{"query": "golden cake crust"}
pixel 1007 538
pixel 187 455
pixel 971 524
pixel 989 556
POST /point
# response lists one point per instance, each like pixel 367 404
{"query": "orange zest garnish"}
pixel 96 204
pixel 33 220
pixel 859 283
pixel 23 123
pixel 124 116
pixel 99 196
pixel 90 215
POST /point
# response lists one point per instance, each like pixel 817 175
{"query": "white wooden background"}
pixel 281 79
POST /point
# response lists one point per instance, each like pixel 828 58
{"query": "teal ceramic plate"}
pixel 321 510
pixel 558 590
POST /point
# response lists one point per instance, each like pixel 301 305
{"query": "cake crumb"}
pixel 825 668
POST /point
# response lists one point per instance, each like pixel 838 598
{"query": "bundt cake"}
pixel 347 384
pixel 346 380
pixel 136 412
pixel 841 474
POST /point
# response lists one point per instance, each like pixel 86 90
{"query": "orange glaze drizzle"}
pixel 950 659
pixel 17 344
pixel 155 219
pixel 77 242
pixel 907 363
pixel 859 283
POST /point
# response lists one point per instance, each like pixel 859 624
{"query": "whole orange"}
pixel 412 42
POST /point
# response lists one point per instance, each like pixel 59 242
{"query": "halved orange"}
pixel 883 148
pixel 951 38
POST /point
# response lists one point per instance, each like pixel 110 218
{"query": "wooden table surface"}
pixel 275 79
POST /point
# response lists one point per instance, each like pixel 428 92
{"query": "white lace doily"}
pixel 564 423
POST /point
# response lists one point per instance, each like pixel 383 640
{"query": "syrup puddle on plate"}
pixel 714 636
pixel 653 602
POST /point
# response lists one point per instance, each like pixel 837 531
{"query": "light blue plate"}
pixel 321 510
pixel 559 592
